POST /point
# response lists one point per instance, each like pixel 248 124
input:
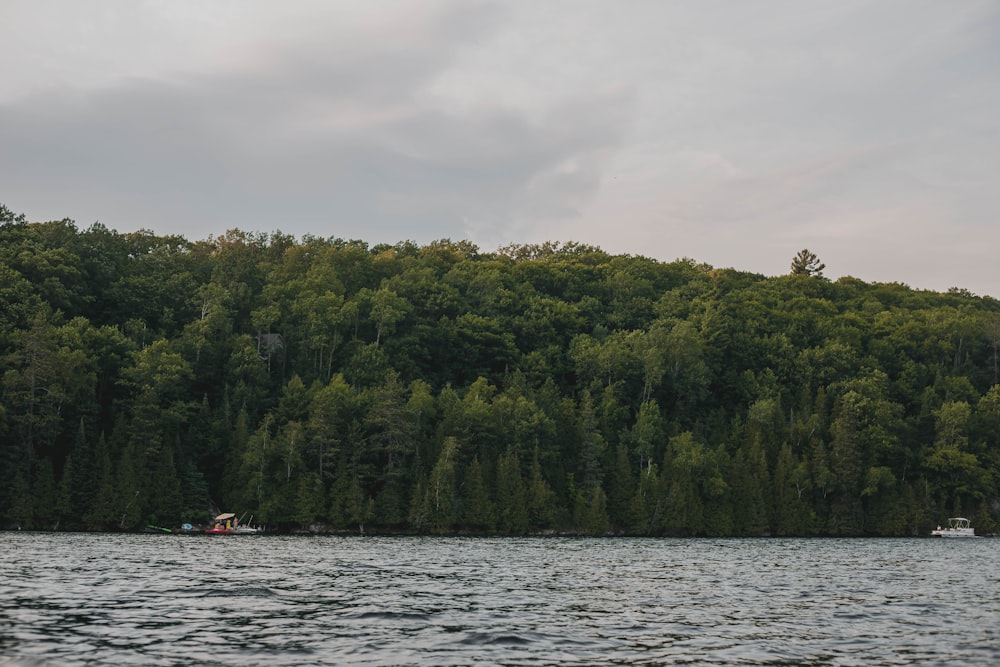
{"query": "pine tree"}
pixel 512 505
pixel 358 507
pixel 165 497
pixel 591 512
pixel 45 497
pixel 806 263
pixel 128 489
pixel 591 445
pixel 752 491
pixel 786 499
pixel 236 474
pixel 541 498
pixel 21 511
pixel 78 489
pixel 477 509
pixel 309 501
pixel 621 490
pixel 846 511
pixel 102 513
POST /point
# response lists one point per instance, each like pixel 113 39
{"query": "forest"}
pixel 326 385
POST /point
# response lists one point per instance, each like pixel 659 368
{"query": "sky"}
pixel 735 133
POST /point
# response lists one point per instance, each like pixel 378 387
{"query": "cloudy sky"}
pixel 731 132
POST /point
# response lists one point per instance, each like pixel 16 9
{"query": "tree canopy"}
pixel 326 384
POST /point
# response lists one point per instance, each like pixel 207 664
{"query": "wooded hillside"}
pixel 322 382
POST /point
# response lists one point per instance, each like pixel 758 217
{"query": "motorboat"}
pixel 957 527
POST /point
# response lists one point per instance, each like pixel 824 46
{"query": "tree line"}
pixel 325 384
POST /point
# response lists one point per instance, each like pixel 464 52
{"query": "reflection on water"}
pixel 91 599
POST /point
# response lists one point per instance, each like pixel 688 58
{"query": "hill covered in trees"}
pixel 540 388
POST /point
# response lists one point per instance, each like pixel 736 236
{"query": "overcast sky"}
pixel 735 133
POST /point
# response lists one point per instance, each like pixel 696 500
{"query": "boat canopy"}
pixel 223 517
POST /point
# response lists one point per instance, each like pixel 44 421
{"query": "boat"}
pixel 240 528
pixel 957 527
pixel 223 524
pixel 156 529
pixel 228 524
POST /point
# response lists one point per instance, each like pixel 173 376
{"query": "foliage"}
pixel 806 263
pixel 324 384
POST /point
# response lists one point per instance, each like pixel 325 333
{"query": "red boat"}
pixel 228 524
pixel 223 525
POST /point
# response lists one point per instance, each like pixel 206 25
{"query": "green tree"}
pixel 101 515
pixel 847 466
pixel 591 445
pixel 591 512
pixel 45 497
pixel 78 490
pixel 331 413
pixel 440 500
pixel 806 263
pixel 44 377
pixel 957 472
pixel 621 490
pixel 686 465
pixel 512 500
pixel 541 498
pixel 648 435
pixel 478 513
pixel 792 513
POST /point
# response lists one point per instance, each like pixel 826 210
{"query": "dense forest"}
pixel 329 385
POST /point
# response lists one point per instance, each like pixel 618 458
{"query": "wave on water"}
pixel 240 591
pixel 388 616
pixel 98 600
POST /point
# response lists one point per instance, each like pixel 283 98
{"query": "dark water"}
pixel 75 599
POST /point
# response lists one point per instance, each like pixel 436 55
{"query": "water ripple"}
pixel 173 600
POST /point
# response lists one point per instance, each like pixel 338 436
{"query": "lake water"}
pixel 106 599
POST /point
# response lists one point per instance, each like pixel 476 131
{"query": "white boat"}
pixel 240 528
pixel 247 530
pixel 957 527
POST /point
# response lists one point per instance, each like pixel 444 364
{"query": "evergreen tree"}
pixel 128 499
pixel 102 513
pixel 541 498
pixel 791 513
pixel 45 497
pixel 512 501
pixel 621 491
pixel 358 507
pixel 309 501
pixel 477 509
pixel 244 462
pixel 751 490
pixel 846 512
pixel 806 263
pixel 77 489
pixel 591 512
pixel 591 445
